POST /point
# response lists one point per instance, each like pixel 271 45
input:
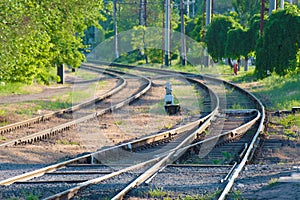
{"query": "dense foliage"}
pixel 216 36
pixel 37 36
pixel 278 50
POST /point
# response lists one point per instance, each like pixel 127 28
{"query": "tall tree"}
pixel 278 49
pixel 216 35
pixel 39 35
pixel 246 9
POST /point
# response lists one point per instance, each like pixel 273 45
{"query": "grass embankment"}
pixel 16 111
pixel 275 92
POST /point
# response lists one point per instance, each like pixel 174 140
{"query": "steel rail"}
pixel 147 139
pixel 67 194
pixel 229 134
pixel 181 150
pixel 52 131
pixel 250 150
pixel 173 155
pixel 95 155
pixel 28 122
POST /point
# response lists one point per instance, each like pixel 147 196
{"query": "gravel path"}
pixel 261 182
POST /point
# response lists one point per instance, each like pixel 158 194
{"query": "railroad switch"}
pixel 170 107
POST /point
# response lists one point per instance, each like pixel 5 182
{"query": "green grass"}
pixel 86 75
pixel 237 106
pixel 32 197
pixel 291 124
pixel 156 193
pixel 33 106
pixel 118 123
pixel 288 121
pixel 53 105
pixel 216 161
pixel 18 88
pixel 236 195
pixel 208 196
pixel 2 138
pixel 27 110
pixel 64 142
pixel 276 92
pixel 282 92
pixel 273 181
pixel 168 126
pixel 10 88
pixel 226 155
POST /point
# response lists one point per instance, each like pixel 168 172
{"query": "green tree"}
pixel 193 28
pixel 278 49
pixel 216 35
pixel 24 46
pixel 39 35
pixel 246 9
pixel 234 42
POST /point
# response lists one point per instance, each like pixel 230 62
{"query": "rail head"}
pixel 17 125
pixel 260 118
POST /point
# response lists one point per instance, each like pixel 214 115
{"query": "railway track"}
pixel 245 139
pixel 31 130
pixel 153 154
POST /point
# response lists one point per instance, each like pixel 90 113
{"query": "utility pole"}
pixel 167 31
pixel 145 12
pixel 188 8
pixel 115 30
pixel 183 45
pixel 282 4
pixel 262 16
pixel 188 4
pixel 208 11
pixel 141 17
pixel 142 22
pixel 207 22
pixel 193 15
pixel 272 6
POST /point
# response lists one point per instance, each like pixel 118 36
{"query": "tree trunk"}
pixel 229 62
pixel 239 64
pixel 246 63
pixel 60 73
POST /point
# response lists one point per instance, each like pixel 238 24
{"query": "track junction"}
pixel 214 141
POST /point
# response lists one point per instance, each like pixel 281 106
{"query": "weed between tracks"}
pixel 64 142
pixel 165 195
pixel 158 192
pixel 2 138
pixel 29 196
pixel 273 181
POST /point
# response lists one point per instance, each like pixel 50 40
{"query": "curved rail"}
pixel 132 144
pixel 28 122
pixel 251 148
pixel 249 151
pixel 52 131
pixel 175 153
pixel 203 123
